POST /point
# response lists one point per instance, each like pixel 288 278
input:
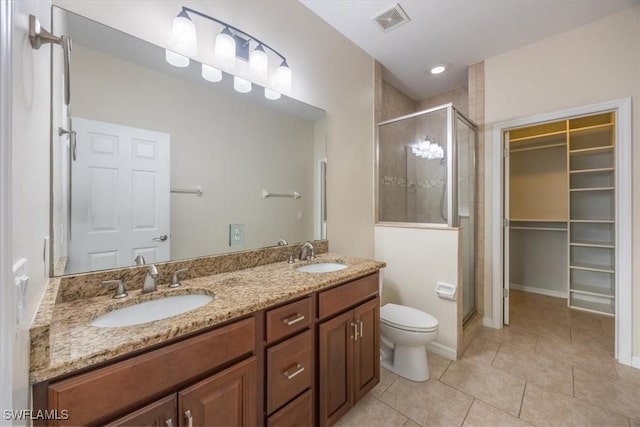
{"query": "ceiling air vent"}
pixel 392 18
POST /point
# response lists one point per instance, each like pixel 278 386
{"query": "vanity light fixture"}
pixel 428 149
pixel 231 45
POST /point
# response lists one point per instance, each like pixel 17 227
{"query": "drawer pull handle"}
pixel 189 418
pixel 169 422
pixel 298 369
pixel 354 325
pixel 293 320
pixel 361 328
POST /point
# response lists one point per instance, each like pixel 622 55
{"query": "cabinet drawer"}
pixel 285 320
pixel 289 370
pixel 345 296
pixel 106 392
pixel 298 413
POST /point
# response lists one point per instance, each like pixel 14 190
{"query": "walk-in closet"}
pixel 560 210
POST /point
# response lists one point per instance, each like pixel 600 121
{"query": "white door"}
pixel 119 196
pixel 505 230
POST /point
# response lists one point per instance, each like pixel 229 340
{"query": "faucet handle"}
pixel 121 292
pixel 175 281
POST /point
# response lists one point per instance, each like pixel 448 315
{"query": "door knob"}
pixel 161 238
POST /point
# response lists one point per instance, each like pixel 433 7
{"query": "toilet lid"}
pixel 407 318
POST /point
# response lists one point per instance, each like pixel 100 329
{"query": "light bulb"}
pixel 225 48
pixel 176 59
pixel 282 78
pixel 183 35
pixel 211 74
pixel 271 94
pixel 259 63
pixel 241 85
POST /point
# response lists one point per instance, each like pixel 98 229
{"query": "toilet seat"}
pixel 407 318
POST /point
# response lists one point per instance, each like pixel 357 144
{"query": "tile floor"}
pixel 551 367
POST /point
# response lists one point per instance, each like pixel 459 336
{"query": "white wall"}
pixel 593 63
pixel 30 177
pixel 328 71
pixel 417 259
pixel 221 141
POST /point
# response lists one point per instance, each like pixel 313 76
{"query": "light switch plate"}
pixel 236 235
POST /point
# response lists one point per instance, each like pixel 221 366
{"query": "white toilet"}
pixel 404 335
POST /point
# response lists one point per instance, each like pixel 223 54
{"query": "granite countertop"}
pixel 66 341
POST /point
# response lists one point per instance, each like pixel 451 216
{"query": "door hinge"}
pixel 505 293
pixel 505 222
pixel 505 152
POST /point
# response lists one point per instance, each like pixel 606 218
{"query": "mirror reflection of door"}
pixel 119 196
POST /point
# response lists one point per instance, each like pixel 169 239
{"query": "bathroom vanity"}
pixel 275 347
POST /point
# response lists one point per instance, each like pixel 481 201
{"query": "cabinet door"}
pixel 161 413
pixel 335 362
pixel 298 413
pixel 228 398
pixel 366 351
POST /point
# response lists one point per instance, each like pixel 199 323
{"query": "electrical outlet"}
pixel 236 235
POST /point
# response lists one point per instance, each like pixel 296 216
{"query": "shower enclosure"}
pixel 426 178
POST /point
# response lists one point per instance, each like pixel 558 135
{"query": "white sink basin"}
pixel 322 267
pixel 149 311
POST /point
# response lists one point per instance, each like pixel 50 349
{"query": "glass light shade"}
pixel 271 94
pixel 183 35
pixel 282 78
pixel 225 48
pixel 176 59
pixel 259 63
pixel 241 85
pixel 211 74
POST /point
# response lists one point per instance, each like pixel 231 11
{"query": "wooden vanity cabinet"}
pixel 161 413
pixel 348 346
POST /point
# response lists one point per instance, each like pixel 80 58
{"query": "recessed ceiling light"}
pixel 438 69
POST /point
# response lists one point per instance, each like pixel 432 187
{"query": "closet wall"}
pixel 561 210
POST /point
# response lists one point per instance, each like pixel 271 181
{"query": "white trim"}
pixel 539 291
pixel 624 337
pixel 7 293
pixel 487 321
pixel 442 350
pixel 635 362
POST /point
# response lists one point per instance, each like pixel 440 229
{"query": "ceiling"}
pixel 453 32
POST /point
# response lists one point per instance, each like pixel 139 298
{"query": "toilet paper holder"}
pixel 446 290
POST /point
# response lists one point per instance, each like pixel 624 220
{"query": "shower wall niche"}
pixel 425 177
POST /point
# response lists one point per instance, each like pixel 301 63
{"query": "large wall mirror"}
pixel 166 165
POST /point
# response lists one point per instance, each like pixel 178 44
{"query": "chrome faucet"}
pixel 150 279
pixel 304 252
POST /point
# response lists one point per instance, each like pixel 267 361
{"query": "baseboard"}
pixel 635 362
pixel 488 322
pixel 547 292
pixel 442 350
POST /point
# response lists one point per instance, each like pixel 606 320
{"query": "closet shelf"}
pixel 579 288
pixel 592 244
pixel 594 171
pixel 549 136
pixel 592 129
pixel 536 147
pixel 539 228
pixel 537 220
pixel 593 307
pixel 593 189
pixel 593 221
pixel 592 267
pixel 595 150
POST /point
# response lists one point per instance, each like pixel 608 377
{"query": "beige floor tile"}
pixel 572 318
pixel 608 325
pixel 481 351
pixel 598 340
pixel 628 373
pixel 615 394
pixel 634 423
pixel 548 408
pixel 411 423
pixel 429 403
pixel 512 335
pixel 386 379
pixel 584 357
pixel 558 331
pixel 437 365
pixel 544 371
pixel 369 411
pixel 494 386
pixel 483 415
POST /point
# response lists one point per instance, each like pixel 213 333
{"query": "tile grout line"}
pixel 573 379
pixel 522 400
pixel 394 410
pixel 496 355
pixel 468 410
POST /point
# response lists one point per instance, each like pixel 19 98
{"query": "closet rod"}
pixel 539 228
pixel 539 147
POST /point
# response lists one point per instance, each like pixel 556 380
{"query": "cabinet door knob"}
pixel 297 369
pixel 169 422
pixel 293 320
pixel 189 418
